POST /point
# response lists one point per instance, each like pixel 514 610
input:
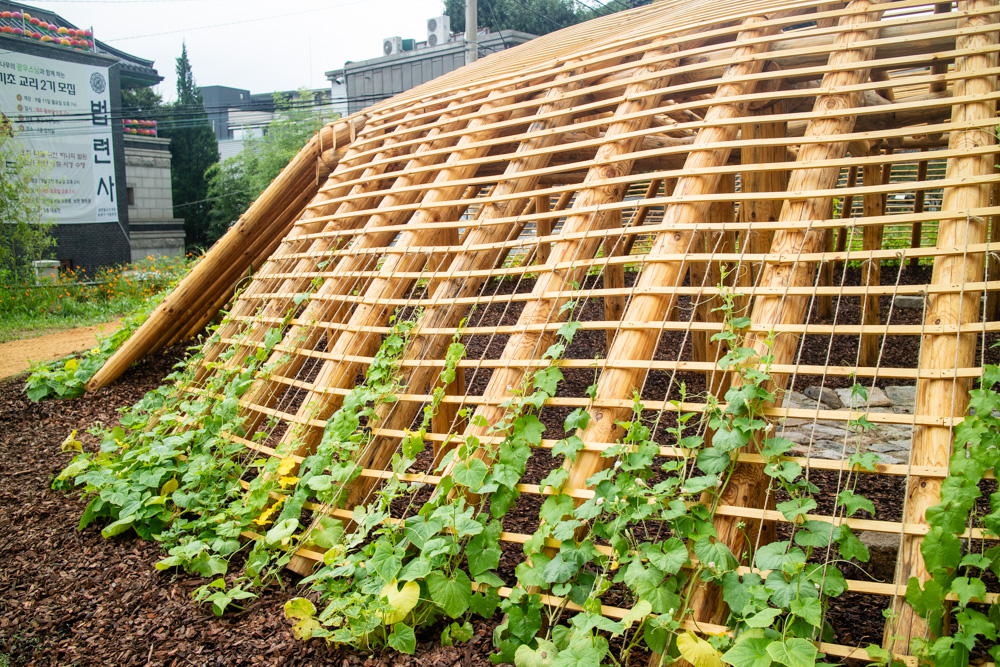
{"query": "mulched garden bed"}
pixel 72 597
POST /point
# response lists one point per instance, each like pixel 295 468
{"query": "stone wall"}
pixel 154 231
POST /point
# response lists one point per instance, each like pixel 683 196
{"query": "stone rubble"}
pixel 831 439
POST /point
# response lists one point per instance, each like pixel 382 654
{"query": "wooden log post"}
pixel 992 312
pixel 709 275
pixel 871 269
pixel 614 277
pixel 543 227
pixel 229 250
pixel 755 211
pixel 399 415
pixel 265 392
pixel 918 207
pixel 846 213
pixel 356 341
pixel 584 215
pixel 948 397
pixel 649 304
pixel 748 485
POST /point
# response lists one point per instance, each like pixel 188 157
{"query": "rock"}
pixel 830 430
pixel 908 301
pixel 889 459
pixel 793 399
pixel 902 396
pixel 826 396
pixel 883 548
pixel 885 447
pixel 876 398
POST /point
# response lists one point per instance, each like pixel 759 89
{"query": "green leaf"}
pixel 568 330
pixel 403 639
pixel 543 656
pixel 968 589
pixel 452 595
pixel 850 546
pixel 796 507
pixel 401 600
pixel 547 379
pixel 764 618
pixel 670 555
pixel 715 555
pixel 772 556
pixel 385 562
pixel 749 652
pixel 470 473
pixel 941 550
pixel 641 610
pixel 713 460
pixel 854 502
pixel 559 570
pixel 808 609
pixel 579 418
pixel 529 429
pixel 118 527
pixel 793 652
pixel 816 534
pixel 281 532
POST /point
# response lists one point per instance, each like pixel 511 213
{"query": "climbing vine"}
pixel 643 526
pixel 957 571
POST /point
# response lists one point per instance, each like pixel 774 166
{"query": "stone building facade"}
pixel 153 229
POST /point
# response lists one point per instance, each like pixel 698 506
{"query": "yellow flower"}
pixel 288 481
pixel 265 516
pixel 286 466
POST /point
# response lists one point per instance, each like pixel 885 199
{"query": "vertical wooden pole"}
pixel 709 275
pixel 543 227
pixel 948 397
pixel 620 139
pixel 918 207
pixel 614 277
pixel 755 211
pixel 846 213
pixel 871 269
pixel 227 251
pixel 748 485
pixel 993 273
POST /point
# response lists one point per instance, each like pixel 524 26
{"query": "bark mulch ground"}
pixel 70 597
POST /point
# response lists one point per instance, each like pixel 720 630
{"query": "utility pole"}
pixel 471 32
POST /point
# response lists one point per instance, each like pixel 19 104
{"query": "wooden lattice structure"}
pixel 624 162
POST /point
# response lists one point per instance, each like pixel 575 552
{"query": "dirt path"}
pixel 17 355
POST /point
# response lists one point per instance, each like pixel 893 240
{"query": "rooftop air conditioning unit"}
pixel 438 30
pixel 391 45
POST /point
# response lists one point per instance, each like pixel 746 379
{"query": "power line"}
pixel 229 23
pixel 525 7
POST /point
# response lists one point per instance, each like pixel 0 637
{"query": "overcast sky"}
pixel 252 44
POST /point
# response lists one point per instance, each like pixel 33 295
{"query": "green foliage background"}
pixel 25 234
pixel 234 183
pixel 537 17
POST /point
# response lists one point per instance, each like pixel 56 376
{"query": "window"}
pixel 130 195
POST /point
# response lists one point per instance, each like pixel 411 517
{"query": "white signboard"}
pixel 61 113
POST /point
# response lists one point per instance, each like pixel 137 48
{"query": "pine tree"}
pixel 193 149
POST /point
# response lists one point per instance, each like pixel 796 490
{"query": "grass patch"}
pixel 74 300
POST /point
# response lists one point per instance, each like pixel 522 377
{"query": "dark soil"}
pixel 72 597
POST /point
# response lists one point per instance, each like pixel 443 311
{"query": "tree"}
pixel 25 233
pixel 537 17
pixel 193 149
pixel 234 183
pixel 140 102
